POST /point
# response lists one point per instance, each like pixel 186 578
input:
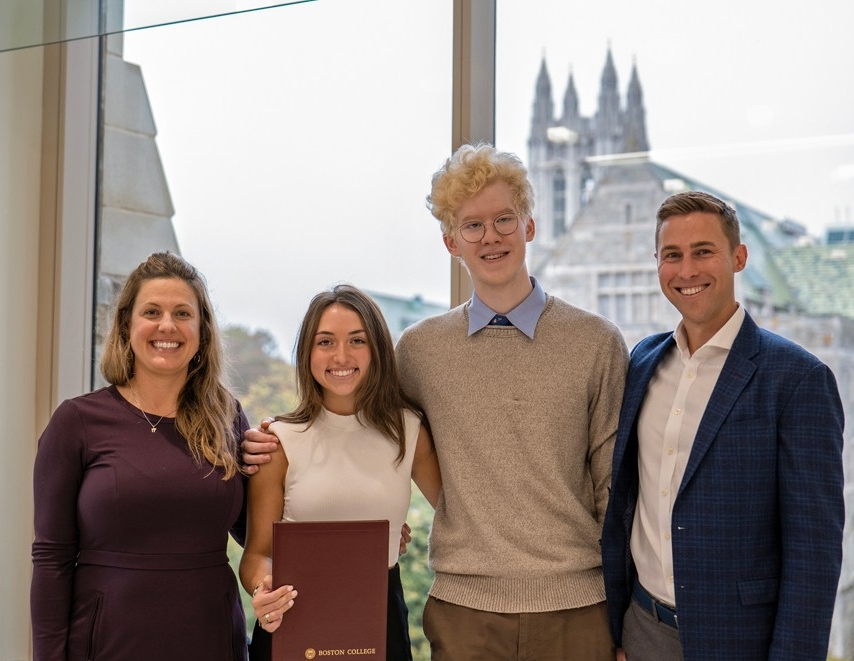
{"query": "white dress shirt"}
pixel 675 401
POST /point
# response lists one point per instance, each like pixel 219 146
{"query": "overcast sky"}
pixel 299 141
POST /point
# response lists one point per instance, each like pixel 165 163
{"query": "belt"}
pixel 155 562
pixel 650 604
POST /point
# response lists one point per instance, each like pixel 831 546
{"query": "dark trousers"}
pixel 645 638
pixel 398 645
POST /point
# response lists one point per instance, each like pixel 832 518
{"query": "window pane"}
pixel 635 101
pixel 281 152
pixel 626 121
pixel 295 152
pixel 752 103
pixel 33 24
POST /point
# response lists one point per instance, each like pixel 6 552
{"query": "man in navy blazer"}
pixel 723 535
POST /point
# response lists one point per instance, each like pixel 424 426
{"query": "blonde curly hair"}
pixel 470 169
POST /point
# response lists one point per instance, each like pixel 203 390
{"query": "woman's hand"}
pixel 270 605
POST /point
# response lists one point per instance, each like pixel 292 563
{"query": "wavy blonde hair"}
pixel 470 169
pixel 207 411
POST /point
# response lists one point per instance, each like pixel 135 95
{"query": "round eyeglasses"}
pixel 474 230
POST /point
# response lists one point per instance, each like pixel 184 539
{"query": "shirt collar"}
pixel 524 316
pixel 723 339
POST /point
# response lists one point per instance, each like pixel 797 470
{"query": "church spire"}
pixel 608 116
pixel 543 110
pixel 609 74
pixel 635 127
pixel 570 103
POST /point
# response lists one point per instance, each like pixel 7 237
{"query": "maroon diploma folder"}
pixel 340 570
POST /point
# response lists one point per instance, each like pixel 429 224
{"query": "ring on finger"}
pixel 268 618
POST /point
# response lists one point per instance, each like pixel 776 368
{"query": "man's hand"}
pixel 257 445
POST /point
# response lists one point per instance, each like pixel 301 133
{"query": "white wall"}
pixel 20 167
pixel 48 120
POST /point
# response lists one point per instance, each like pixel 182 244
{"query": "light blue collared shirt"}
pixel 524 316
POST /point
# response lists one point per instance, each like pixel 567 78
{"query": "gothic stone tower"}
pixel 562 151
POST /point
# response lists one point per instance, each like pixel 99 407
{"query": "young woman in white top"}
pixel 348 451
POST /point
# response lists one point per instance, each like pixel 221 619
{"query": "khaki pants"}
pixel 457 633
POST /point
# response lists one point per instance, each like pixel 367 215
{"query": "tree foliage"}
pixel 263 382
pixel 416 576
pixel 265 386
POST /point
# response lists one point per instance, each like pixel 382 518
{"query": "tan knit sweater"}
pixel 524 430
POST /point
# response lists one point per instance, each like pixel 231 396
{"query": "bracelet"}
pixel 257 587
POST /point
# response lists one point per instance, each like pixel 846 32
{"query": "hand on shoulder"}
pixel 258 443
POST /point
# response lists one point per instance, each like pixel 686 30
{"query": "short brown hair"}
pixel 682 204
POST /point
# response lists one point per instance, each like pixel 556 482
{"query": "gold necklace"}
pixel 152 424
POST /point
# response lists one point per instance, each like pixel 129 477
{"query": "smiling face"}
pixel 164 328
pixel 340 358
pixel 696 270
pixel 496 263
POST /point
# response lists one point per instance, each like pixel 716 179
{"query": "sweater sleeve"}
pixel 605 414
pixel 403 354
pixel 57 476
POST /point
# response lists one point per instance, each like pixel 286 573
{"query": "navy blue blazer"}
pixel 757 522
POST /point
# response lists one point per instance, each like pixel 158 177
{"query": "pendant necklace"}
pixel 153 425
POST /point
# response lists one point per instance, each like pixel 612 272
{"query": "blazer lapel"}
pixel 643 369
pixel 736 374
pixel 644 361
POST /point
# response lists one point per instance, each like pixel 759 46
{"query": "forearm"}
pixel 254 567
pixel 425 469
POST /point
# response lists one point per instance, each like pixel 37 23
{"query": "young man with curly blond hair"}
pixel 522 392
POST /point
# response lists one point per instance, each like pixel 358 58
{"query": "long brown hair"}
pixel 380 401
pixel 206 409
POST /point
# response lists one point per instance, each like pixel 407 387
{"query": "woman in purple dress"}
pixel 137 487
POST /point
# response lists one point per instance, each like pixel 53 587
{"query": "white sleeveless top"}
pixel 339 470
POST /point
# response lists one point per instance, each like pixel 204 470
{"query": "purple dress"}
pixel 129 557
